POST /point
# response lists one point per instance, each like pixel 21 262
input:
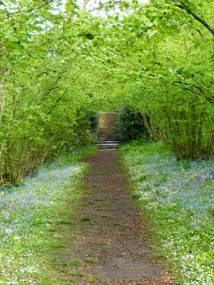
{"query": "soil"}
pixel 113 243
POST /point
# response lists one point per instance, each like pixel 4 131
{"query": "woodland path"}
pixel 113 243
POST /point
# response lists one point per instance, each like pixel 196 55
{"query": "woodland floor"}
pixel 112 243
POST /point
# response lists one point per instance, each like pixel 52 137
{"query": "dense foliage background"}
pixel 60 60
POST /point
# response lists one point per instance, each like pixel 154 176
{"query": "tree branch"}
pixel 65 91
pixel 30 10
pixel 198 18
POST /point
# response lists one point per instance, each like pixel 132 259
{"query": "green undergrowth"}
pixel 178 198
pixel 34 218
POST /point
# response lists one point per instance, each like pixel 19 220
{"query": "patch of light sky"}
pixel 93 4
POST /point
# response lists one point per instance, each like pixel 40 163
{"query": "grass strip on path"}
pixel 30 219
pixel 178 197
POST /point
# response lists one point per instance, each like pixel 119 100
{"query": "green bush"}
pixel 93 121
pixel 86 127
pixel 131 124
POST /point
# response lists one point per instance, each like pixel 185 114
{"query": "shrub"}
pixel 86 125
pixel 93 121
pixel 131 124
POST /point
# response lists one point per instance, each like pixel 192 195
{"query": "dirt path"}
pixel 113 244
